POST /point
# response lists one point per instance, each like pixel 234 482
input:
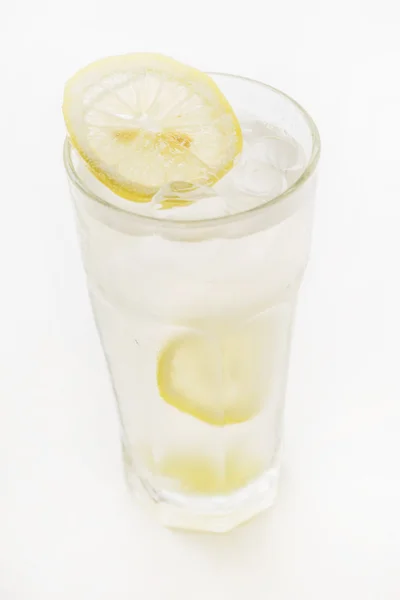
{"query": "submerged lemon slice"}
pixel 141 121
pixel 219 380
pixel 206 475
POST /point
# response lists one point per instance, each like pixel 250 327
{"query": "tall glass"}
pixel 172 300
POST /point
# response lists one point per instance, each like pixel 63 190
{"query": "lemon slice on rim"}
pixel 141 121
pixel 219 380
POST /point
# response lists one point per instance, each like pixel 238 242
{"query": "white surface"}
pixel 67 528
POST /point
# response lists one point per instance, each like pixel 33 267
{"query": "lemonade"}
pixel 194 200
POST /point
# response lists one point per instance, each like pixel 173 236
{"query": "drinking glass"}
pixel 195 320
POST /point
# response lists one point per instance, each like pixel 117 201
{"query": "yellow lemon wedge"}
pixel 141 121
pixel 219 380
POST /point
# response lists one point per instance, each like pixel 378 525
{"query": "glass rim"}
pixel 213 221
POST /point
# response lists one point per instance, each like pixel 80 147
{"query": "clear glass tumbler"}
pixel 195 320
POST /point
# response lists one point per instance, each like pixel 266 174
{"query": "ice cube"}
pixel 280 152
pixel 259 178
pixel 270 162
pixel 253 129
pixel 181 200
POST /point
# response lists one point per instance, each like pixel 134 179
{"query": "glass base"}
pixel 212 513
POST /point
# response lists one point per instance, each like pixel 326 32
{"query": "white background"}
pixel 67 527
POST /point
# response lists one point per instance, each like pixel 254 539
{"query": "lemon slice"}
pixel 141 121
pixel 205 475
pixel 219 380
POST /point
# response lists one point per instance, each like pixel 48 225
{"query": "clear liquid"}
pixel 172 449
pixel 148 291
